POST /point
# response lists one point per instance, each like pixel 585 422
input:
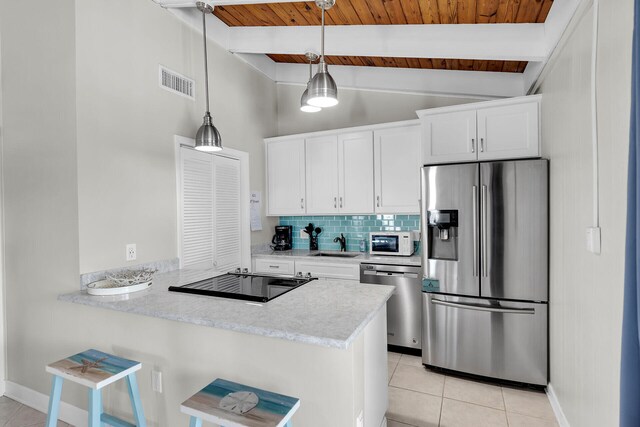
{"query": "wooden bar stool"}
pixel 230 404
pixel 95 370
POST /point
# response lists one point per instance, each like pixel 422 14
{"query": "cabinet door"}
pixel 450 137
pixel 355 175
pixel 286 177
pixel 322 174
pixel 326 270
pixel 275 266
pixel 508 132
pixel 397 170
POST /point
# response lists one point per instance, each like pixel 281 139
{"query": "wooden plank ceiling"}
pixel 393 12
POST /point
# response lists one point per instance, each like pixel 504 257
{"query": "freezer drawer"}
pixel 492 338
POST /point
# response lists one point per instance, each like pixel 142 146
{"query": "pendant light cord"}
pixel 206 61
pixel 322 38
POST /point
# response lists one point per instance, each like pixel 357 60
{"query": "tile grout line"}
pixel 504 402
pixel 442 401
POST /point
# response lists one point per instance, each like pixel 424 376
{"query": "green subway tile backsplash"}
pixel 354 228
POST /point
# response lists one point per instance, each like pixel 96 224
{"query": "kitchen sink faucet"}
pixel 343 242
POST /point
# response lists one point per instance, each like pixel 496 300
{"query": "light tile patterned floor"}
pixel 14 414
pixel 419 397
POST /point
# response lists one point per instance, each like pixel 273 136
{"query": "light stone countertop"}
pixel 328 313
pixel 361 257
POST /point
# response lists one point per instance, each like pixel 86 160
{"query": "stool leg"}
pixel 95 407
pixel 54 402
pixel 195 422
pixel 136 404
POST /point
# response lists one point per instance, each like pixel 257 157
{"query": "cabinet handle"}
pixel 481 144
pixel 378 201
pixel 274 266
pixel 340 201
pixel 473 145
pixel 302 203
pixel 335 202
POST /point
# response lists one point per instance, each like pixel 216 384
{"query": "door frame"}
pixel 3 333
pixel 245 196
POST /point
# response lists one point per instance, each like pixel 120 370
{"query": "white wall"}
pixel 88 158
pixel 3 347
pixel 126 123
pixel 586 289
pixel 356 108
pixel 40 180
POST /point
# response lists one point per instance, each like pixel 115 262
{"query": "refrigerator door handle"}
pixel 483 308
pixel 484 231
pixel 475 230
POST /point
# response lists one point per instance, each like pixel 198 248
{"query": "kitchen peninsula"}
pixel 324 342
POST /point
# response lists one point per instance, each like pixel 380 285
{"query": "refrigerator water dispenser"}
pixel 443 234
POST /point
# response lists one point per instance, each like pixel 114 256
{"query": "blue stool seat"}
pixel 272 410
pixel 95 370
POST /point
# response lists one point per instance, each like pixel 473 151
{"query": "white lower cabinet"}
pixel 274 266
pixel 329 270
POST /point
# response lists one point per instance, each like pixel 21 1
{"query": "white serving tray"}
pixel 107 287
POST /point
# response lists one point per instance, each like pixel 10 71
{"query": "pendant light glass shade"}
pixel 208 138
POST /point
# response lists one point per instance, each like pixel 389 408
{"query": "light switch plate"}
pixel 593 240
pixel 156 381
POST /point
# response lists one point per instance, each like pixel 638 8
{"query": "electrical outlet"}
pixel 131 252
pixel 156 381
pixel 593 240
pixel 304 235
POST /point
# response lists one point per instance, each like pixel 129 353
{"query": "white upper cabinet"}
pixel 355 172
pixel 450 137
pixel 508 131
pixel 397 160
pixel 285 177
pixel 322 174
pixel 492 130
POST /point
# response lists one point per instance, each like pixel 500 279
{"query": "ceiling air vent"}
pixel 176 83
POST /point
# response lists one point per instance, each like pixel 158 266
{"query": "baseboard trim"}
pixel 555 405
pixel 68 413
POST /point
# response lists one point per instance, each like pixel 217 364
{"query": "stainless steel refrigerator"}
pixel 485 268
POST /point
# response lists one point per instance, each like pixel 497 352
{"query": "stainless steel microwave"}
pixel 391 243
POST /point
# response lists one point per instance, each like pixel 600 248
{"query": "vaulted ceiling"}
pixel 481 48
pixel 393 12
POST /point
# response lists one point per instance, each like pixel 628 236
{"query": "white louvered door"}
pixel 227 215
pixel 196 206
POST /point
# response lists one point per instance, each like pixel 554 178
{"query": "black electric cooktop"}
pixel 249 287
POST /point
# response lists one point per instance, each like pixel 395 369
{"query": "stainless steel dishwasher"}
pixel 404 308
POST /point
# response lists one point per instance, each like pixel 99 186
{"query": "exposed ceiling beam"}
pixel 511 42
pixel 473 84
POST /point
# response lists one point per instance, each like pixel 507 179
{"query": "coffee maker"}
pixel 283 238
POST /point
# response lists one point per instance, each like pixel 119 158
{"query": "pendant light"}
pixel 304 101
pixel 323 91
pixel 208 138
